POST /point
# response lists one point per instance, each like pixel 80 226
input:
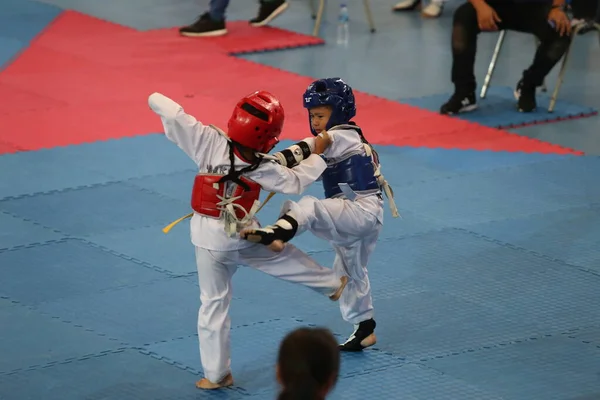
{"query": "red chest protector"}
pixel 208 195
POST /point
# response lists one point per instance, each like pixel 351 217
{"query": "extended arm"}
pixel 184 130
pixel 274 177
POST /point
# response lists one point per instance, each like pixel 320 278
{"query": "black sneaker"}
pixel 525 95
pixel 362 337
pixel 459 102
pixel 204 26
pixel 268 11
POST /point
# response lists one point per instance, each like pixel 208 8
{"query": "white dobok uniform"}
pixel 351 225
pixel 218 254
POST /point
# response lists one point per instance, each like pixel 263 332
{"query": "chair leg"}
pixel 492 66
pixel 563 69
pixel 367 4
pixel 317 27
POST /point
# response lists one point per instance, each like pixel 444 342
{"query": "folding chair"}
pixel 318 15
pixel 561 74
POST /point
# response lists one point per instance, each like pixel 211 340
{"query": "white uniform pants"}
pixel 215 270
pixel 353 233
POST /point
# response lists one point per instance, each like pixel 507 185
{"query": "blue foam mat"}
pixel 126 374
pixel 471 291
pixel 505 193
pixel 140 314
pixel 547 368
pixel 18 232
pixel 27 7
pixel 56 271
pixel 93 163
pixel 20 22
pixel 588 335
pixel 437 291
pixel 410 381
pixel 165 168
pixel 570 235
pixel 149 313
pixel 498 109
pixel 252 349
pixel 449 162
pixel 9 49
pixel 97 209
pixel 173 252
pixel 22 346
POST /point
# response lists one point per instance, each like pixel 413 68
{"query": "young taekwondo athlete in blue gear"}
pixel 351 215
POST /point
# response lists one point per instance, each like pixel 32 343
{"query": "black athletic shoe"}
pixel 269 10
pixel 204 26
pixel 525 95
pixel 362 337
pixel 460 102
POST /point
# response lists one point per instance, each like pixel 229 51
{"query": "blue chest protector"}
pixel 356 171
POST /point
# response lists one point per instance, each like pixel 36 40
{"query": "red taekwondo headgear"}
pixel 257 121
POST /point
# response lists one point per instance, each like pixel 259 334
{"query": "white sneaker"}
pixel 433 10
pixel 406 5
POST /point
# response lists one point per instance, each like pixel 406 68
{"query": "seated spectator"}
pixel 212 22
pixel 543 18
pixel 586 13
pixel 433 10
pixel 308 364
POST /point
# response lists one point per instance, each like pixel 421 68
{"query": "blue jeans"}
pixel 217 9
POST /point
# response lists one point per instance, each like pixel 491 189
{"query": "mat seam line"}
pixel 109 182
pixel 64 361
pixel 31 221
pixel 448 354
pixel 62 320
pixel 533 252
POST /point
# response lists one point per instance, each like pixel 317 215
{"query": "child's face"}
pixel 319 116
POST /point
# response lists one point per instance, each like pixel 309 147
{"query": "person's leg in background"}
pixel 523 17
pixel 465 29
pixel 268 11
pixel 212 22
pixel 534 18
pixel 432 10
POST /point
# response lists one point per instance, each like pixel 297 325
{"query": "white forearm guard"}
pixel 294 154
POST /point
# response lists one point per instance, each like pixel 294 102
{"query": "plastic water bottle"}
pixel 343 29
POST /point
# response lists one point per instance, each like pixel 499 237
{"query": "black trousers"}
pixel 585 9
pixel 523 17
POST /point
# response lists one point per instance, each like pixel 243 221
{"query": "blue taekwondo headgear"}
pixel 332 92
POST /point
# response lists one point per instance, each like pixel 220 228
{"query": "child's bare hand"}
pixel 322 142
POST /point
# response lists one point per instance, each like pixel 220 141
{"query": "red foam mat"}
pixel 86 80
pixel 7 148
pixel 243 38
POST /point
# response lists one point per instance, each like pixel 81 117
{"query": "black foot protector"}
pixel 363 337
pixel 284 229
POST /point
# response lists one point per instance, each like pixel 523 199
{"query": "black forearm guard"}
pixel 294 154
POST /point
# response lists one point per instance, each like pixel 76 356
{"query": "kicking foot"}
pixel 208 385
pixel 338 293
pixel 263 236
pixel 273 236
pixel 362 337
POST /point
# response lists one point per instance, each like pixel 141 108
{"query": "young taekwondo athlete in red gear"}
pixel 233 169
